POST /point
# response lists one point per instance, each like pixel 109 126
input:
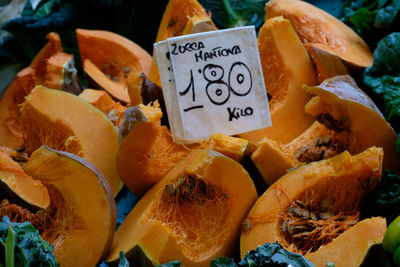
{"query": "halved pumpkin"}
pixel 322 30
pixel 286 67
pixel 314 210
pixel 66 122
pixel 148 151
pixel 112 62
pixel 177 15
pixel 348 120
pixel 193 214
pixel 103 101
pixel 81 218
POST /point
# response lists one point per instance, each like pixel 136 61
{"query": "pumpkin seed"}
pixel 284 227
pixel 290 210
pixel 302 212
pixel 170 189
pixel 313 216
pixel 290 229
pixel 325 215
pixel 126 69
pixel 108 76
pixel 300 235
pixel 115 78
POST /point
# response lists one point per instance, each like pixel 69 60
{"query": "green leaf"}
pixel 274 255
pixel 123 262
pixel 10 247
pixel 171 264
pixel 223 262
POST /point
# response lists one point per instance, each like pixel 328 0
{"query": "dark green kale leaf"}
pixel 383 78
pixel 273 255
pixel 385 199
pixel 372 19
pixel 22 242
pixel 223 262
pixel 234 13
pixel 171 264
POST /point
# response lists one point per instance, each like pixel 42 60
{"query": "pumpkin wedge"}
pixel 51 67
pixel 180 17
pixel 66 122
pixel 143 163
pixel 18 187
pixel 314 210
pixel 82 209
pixel 324 31
pixel 103 101
pixel 347 120
pixel 286 67
pixel 112 62
pixel 193 214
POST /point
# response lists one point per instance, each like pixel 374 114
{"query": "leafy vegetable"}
pixel 223 262
pixel 385 199
pixel 171 264
pixel 273 255
pixel 372 19
pixel 383 77
pixel 123 262
pixel 21 245
pixel 234 13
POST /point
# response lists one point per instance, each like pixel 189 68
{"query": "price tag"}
pixel 217 84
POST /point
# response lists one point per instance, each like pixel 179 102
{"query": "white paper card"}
pixel 219 84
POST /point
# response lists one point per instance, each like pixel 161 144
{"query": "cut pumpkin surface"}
pixel 112 62
pixel 286 67
pixel 143 163
pixel 322 30
pixel 180 17
pixel 347 120
pixel 193 214
pixel 66 122
pixel 314 210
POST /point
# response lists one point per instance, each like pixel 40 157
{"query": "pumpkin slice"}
pixel 112 62
pixel 323 30
pixel 340 104
pixel 180 16
pixel 286 67
pixel 327 64
pixel 348 120
pixel 52 67
pixel 193 214
pixel 81 219
pixel 310 208
pixel 66 122
pixel 103 101
pixel 18 187
pixel 142 164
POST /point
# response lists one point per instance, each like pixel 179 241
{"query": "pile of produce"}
pixel 90 173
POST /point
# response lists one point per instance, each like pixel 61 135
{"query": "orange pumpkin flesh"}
pixel 82 209
pixel 286 67
pixel 313 205
pixel 66 122
pixel 173 23
pixel 193 214
pixel 102 100
pixel 322 30
pixel 354 125
pixel 142 163
pixel 105 53
pixel 22 186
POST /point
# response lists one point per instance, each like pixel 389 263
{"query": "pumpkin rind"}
pixel 324 31
pixel 190 230
pixel 67 122
pixel 286 67
pixel 340 181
